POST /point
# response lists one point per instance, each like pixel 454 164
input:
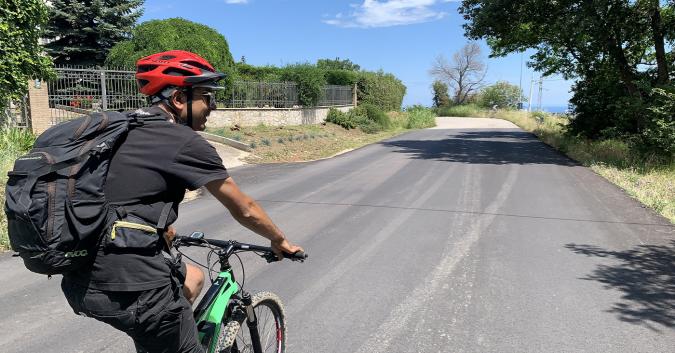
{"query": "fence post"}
pixel 40 114
pixel 354 95
pixel 104 98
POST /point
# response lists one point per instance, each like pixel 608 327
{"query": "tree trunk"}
pixel 657 35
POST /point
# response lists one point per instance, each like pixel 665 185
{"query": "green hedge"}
pixel 380 89
pixel 310 80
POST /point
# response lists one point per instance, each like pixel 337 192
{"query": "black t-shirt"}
pixel 153 166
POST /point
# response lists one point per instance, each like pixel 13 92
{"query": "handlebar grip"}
pixel 299 255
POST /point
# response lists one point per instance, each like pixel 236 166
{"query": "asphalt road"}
pixel 441 240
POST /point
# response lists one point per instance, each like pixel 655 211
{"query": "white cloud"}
pixel 236 1
pixel 374 13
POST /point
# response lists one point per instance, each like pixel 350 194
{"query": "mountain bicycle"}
pixel 226 305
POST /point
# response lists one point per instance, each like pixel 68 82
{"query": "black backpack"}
pixel 55 202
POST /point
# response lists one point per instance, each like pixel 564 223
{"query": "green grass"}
pixel 467 110
pixel 649 179
pixel 13 143
pixel 420 117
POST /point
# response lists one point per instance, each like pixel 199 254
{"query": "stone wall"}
pixel 270 116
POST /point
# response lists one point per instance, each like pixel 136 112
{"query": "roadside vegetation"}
pixel 342 131
pixel 13 143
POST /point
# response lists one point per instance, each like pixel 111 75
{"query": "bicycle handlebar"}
pixel 232 245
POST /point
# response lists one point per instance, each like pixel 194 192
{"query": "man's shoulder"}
pixel 163 127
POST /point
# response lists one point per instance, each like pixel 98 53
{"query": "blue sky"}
pixel 398 36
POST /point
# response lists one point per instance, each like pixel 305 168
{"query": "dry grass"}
pixel 300 143
pixel 649 180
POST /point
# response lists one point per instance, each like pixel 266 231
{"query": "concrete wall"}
pixel 270 116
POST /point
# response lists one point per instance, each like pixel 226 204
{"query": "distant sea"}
pixel 553 108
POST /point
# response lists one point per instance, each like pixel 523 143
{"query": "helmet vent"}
pixel 145 68
pixel 199 65
pixel 176 72
pixel 167 57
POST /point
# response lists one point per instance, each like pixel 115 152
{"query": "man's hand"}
pixel 283 245
pixel 169 235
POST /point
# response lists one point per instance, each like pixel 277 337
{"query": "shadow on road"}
pixel 483 147
pixel 646 277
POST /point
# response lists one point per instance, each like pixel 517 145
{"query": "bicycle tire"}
pixel 237 332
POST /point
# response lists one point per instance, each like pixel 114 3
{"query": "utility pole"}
pixel 529 101
pixel 520 84
pixel 541 89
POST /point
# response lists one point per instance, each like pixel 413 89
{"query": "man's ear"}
pixel 178 98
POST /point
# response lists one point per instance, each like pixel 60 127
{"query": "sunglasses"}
pixel 210 99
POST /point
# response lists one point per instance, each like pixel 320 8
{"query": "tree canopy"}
pixel 337 64
pixel 21 23
pixel 81 32
pixel 502 94
pixel 174 33
pixel 619 52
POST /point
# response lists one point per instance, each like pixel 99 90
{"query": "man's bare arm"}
pixel 249 214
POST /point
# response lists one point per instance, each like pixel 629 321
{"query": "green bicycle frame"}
pixel 211 309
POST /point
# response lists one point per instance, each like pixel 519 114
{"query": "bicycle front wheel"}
pixel 271 326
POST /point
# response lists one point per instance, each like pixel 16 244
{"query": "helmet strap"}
pixel 189 106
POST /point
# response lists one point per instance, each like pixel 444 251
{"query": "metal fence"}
pixel 336 95
pixel 79 90
pixel 246 94
pixel 16 114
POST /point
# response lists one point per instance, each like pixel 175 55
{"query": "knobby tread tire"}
pixel 228 333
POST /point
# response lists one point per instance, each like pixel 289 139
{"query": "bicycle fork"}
pixel 252 322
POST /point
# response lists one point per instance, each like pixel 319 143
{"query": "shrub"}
pixel 659 133
pixel 340 77
pixel 382 90
pixel 310 80
pixel 16 140
pixel 376 115
pixel 369 118
pixel 339 118
pixel 420 117
pixel 441 96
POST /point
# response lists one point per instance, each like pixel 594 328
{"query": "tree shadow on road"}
pixel 646 277
pixel 483 147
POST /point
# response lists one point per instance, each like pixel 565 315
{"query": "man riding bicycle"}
pixel 138 288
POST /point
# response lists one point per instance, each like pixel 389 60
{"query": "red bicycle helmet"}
pixel 175 68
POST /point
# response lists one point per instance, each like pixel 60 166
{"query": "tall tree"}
pixel 464 74
pixel 81 32
pixel 22 58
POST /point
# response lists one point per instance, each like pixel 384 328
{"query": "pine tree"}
pixel 81 32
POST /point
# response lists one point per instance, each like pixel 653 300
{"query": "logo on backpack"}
pixel 79 253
